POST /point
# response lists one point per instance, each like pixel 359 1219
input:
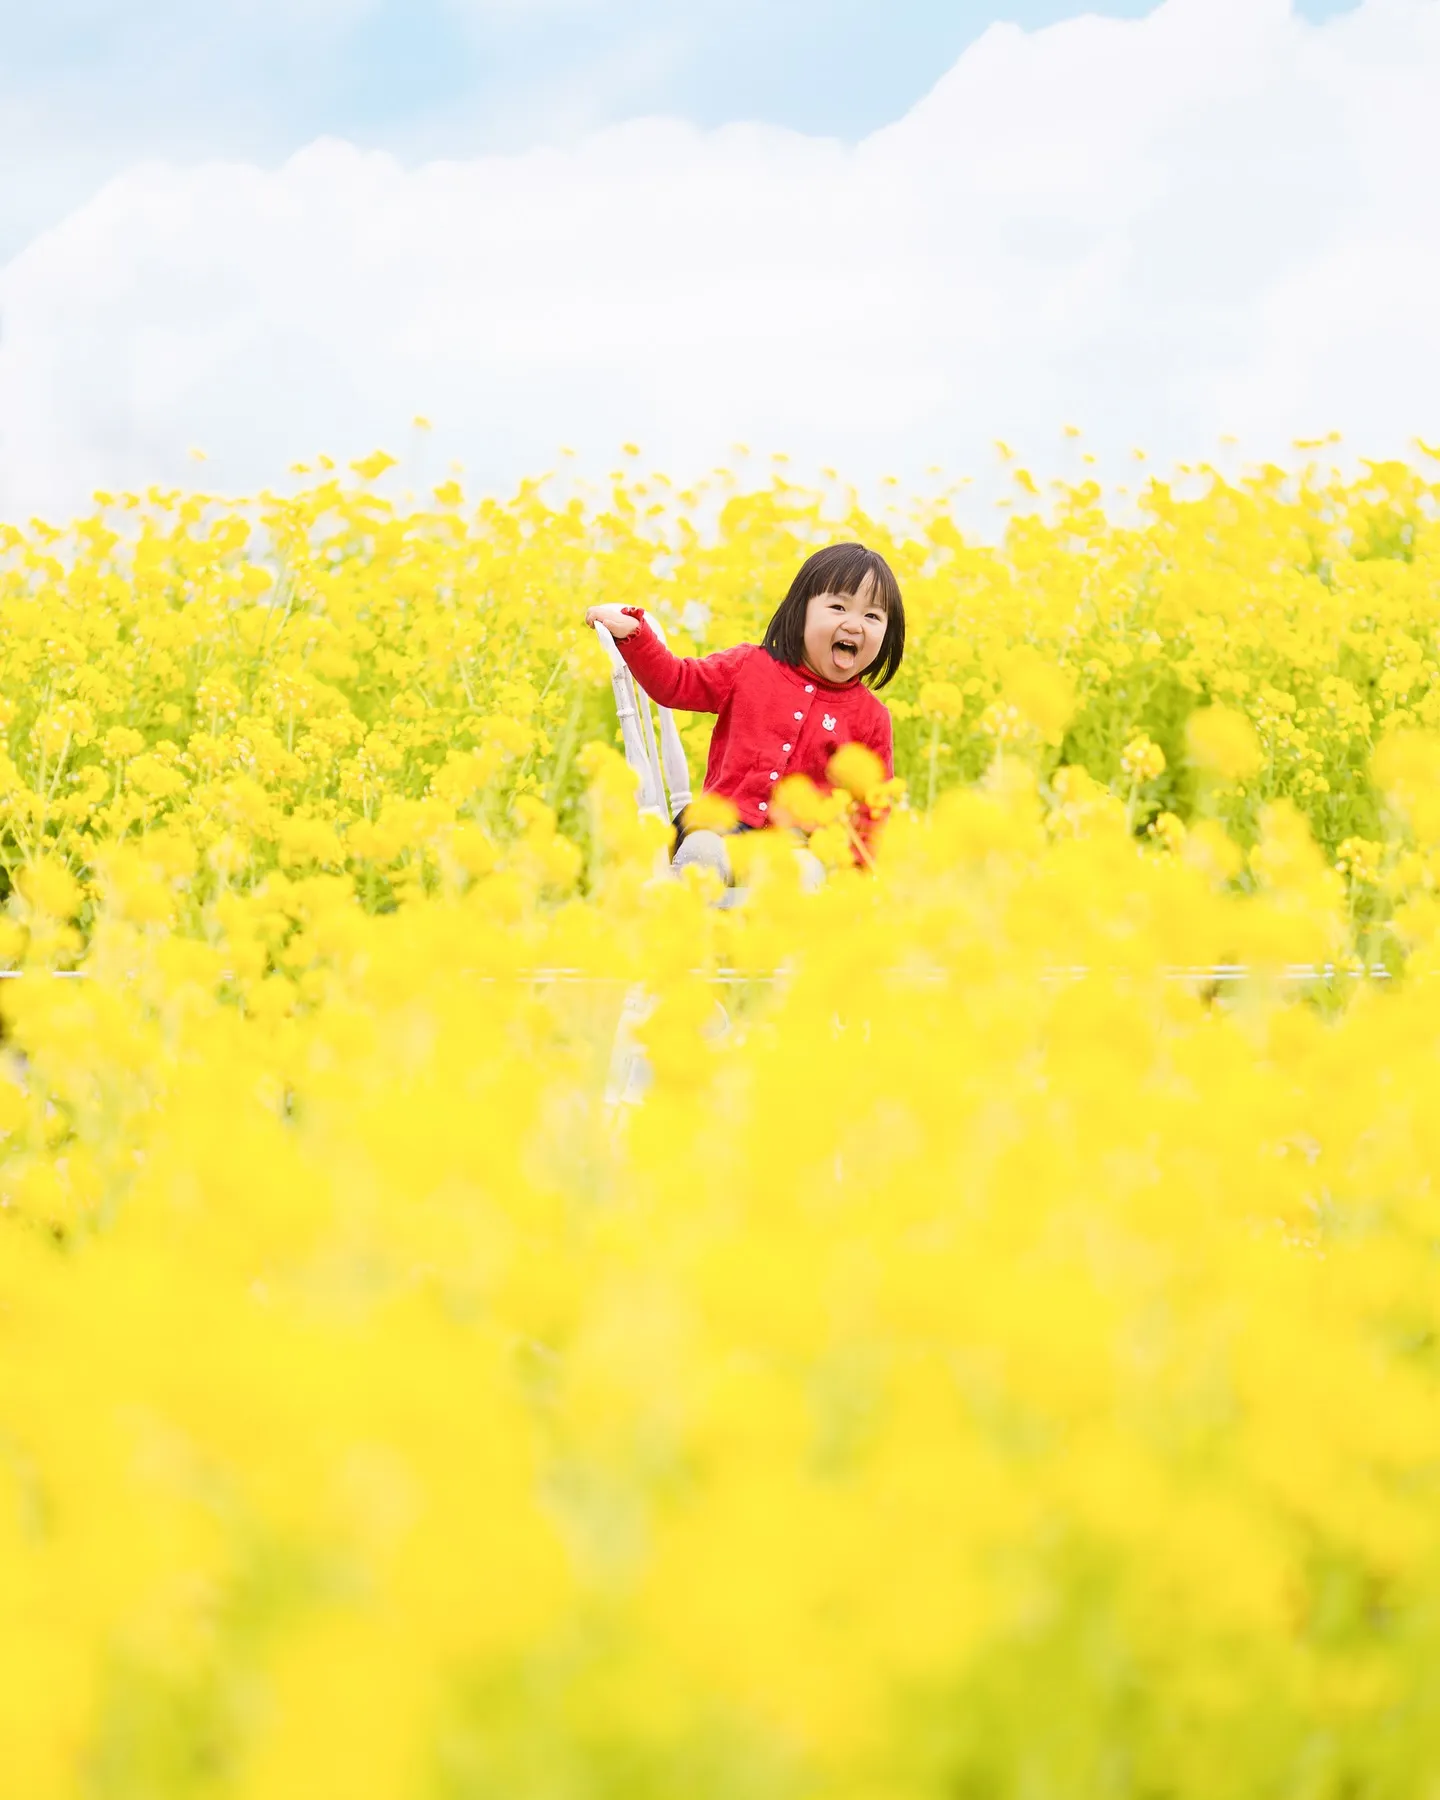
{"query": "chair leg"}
pixel 630 1073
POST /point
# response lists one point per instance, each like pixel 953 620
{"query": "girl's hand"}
pixel 615 620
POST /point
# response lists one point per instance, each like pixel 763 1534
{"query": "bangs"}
pixel 844 569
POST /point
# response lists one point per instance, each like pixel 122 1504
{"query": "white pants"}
pixel 704 850
pixel 707 850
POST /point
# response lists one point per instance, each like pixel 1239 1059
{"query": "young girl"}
pixel 787 705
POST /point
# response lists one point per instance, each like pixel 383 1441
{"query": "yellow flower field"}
pixel 995 1358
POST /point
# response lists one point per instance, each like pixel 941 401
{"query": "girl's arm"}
pixel 693 683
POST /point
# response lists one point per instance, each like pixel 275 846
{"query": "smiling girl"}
pixel 788 704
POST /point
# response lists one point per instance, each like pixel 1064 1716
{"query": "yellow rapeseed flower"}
pixel 563 1328
pixel 1222 742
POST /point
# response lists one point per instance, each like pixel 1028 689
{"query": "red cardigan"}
pixel 774 720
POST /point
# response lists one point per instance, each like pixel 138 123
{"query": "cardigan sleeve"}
pixel 693 683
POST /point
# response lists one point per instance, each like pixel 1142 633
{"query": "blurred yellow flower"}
pixel 711 812
pixel 1223 743
pixel 856 769
pixel 372 467
pixel 630 1343
pixel 941 700
pixel 50 888
pixel 1040 692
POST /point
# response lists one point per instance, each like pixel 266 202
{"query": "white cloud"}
pixel 1217 218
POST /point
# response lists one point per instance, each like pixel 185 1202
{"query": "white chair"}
pixel 664 793
pixel 664 777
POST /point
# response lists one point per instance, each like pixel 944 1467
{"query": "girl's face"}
pixel 843 632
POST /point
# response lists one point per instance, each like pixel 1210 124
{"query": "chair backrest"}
pixel 664 777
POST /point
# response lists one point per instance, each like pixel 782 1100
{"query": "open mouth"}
pixel 844 653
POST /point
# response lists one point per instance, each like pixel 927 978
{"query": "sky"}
pixel 89 87
pixel 875 236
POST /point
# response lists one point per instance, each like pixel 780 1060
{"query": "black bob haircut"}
pixel 841 569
